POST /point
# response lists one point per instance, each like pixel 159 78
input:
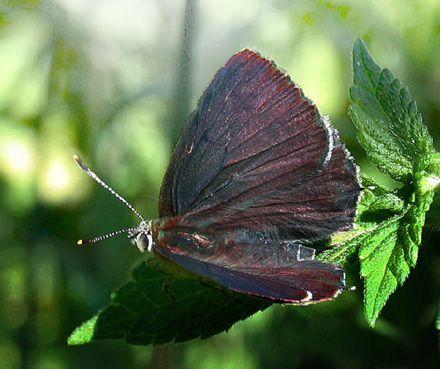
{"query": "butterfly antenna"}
pixel 92 174
pixel 105 236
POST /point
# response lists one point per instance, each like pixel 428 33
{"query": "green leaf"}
pixel 390 222
pixel 390 127
pixel 382 266
pixel 437 322
pixel 387 244
pixel 387 253
pixel 143 312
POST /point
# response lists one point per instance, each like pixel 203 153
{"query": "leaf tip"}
pixel 84 333
pixel 358 43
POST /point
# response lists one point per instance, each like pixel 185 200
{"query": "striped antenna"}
pixel 105 236
pixel 92 174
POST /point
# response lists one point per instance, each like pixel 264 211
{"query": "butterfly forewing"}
pixel 256 154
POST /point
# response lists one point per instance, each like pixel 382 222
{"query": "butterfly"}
pixel 256 176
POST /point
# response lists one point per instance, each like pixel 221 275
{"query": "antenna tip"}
pixel 77 159
pixel 80 163
pixel 80 242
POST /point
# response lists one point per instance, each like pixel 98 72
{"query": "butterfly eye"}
pixel 142 239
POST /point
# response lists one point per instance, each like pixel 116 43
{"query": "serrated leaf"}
pixel 142 312
pixel 390 222
pixel 387 241
pixel 383 265
pixel 414 222
pixel 390 127
pixel 387 253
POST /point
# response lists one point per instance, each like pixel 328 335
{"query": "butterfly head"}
pixel 141 236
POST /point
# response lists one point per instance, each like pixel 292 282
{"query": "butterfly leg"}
pixel 167 290
pixel 219 289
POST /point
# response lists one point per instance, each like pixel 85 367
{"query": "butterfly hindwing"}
pixel 279 271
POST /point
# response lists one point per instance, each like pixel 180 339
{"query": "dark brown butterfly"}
pixel 256 175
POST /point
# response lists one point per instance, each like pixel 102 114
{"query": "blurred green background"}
pixel 113 81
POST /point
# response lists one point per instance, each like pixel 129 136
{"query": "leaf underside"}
pixel 152 309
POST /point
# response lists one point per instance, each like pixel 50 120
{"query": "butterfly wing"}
pixel 255 166
pixel 279 271
pixel 255 154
